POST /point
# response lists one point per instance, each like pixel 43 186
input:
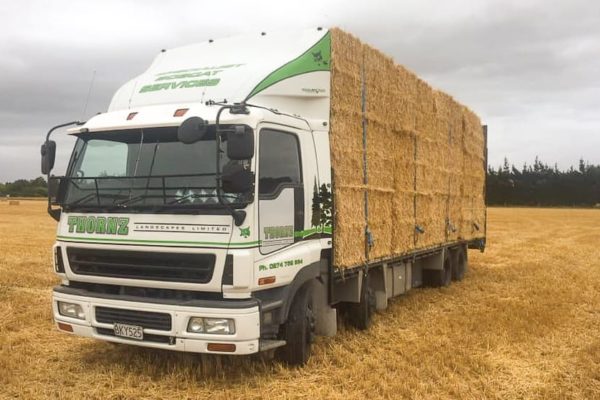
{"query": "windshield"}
pixel 144 168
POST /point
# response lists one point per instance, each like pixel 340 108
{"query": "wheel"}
pixel 440 277
pixel 359 314
pixel 459 264
pixel 299 329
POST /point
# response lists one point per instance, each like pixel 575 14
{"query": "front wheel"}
pixel 299 330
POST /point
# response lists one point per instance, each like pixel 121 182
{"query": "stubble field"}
pixel 525 323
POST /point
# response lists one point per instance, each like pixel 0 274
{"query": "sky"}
pixel 529 68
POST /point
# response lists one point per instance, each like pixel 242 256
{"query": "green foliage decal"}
pixel 322 207
pixel 317 58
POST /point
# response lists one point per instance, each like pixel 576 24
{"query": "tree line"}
pixel 536 184
pixel 24 188
pixel 542 185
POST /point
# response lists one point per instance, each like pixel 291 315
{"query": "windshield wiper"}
pixel 84 199
pixel 90 196
pixel 131 200
pixel 151 166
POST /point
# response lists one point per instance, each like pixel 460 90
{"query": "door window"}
pixel 279 162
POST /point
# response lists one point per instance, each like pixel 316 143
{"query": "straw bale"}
pixel 473 174
pixel 423 219
pixel 404 174
pixel 14 202
pixel 349 238
pixel 380 223
pixel 424 158
pixel 403 202
pixel 403 234
pixel 348 167
pixel 454 218
pixel 431 216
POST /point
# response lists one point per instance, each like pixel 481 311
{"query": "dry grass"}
pixel 525 323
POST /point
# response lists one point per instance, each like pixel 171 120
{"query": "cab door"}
pixel 280 189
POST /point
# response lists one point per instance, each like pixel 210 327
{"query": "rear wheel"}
pixel 299 330
pixel 359 314
pixel 440 277
pixel 459 263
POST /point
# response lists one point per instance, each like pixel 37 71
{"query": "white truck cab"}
pixel 196 208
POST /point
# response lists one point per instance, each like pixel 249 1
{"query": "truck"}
pixel 247 194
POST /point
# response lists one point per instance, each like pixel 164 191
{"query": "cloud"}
pixel 529 68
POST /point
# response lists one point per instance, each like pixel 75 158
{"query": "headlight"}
pixel 219 326
pixel 213 326
pixel 71 310
pixel 196 325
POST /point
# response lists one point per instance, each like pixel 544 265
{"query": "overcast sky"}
pixel 530 69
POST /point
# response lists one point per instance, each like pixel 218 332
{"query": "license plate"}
pixel 129 331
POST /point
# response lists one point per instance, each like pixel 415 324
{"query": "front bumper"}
pixel 246 336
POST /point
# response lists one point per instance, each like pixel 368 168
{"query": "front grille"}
pixel 170 267
pixel 147 336
pixel 145 319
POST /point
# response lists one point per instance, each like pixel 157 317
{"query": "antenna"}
pixel 87 100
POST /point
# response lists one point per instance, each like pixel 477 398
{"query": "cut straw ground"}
pixel 523 324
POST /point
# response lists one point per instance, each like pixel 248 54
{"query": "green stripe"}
pixel 225 244
pixel 301 234
pixel 312 231
pixel 317 58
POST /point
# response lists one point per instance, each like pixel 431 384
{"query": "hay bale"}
pixel 424 158
pixel 14 202
pixel 473 176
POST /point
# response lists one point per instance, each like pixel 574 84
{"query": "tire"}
pixel 440 277
pixel 359 314
pixel 299 329
pixel 459 264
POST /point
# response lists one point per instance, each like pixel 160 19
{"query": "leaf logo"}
pixel 245 232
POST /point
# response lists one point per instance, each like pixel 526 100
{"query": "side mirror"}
pixel 48 151
pixel 240 143
pixel 192 130
pixel 236 178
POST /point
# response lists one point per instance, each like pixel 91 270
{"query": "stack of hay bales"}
pixel 424 159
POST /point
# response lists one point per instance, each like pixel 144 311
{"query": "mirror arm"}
pixel 55 213
pixel 238 215
pixel 62 126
